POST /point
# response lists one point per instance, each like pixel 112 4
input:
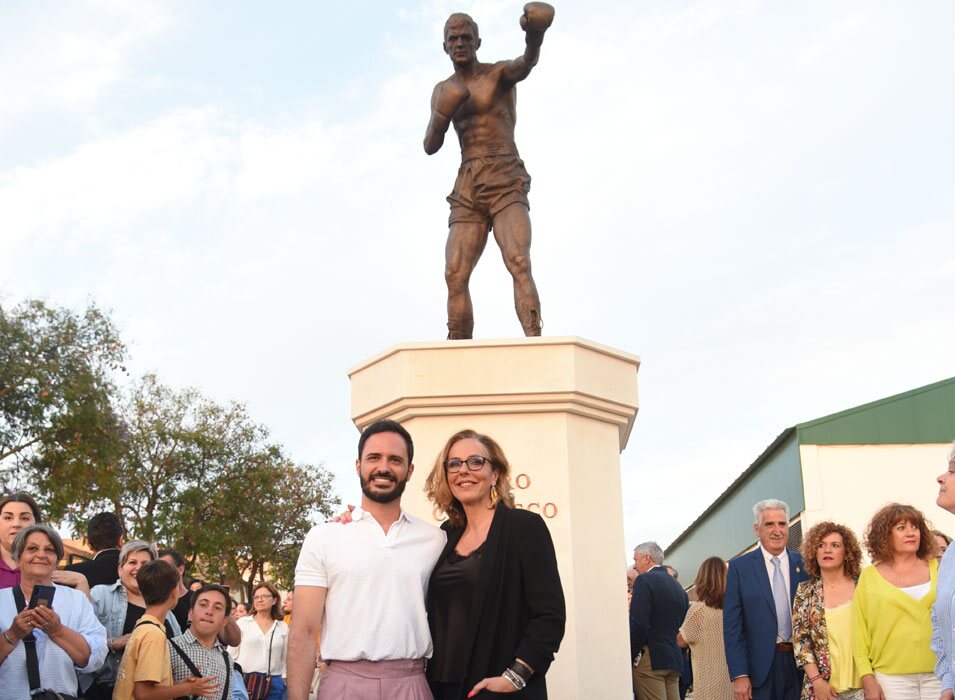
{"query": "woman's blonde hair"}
pixel 438 490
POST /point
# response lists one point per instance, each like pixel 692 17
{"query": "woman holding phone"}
pixel 55 621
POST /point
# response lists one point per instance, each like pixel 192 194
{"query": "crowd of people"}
pixel 480 597
pixel 388 606
pixel 777 624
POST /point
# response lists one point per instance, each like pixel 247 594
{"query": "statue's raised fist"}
pixel 537 17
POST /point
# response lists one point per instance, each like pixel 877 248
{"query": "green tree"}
pixel 263 511
pixel 199 476
pixel 56 385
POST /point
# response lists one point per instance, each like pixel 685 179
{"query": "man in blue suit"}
pixel 657 610
pixel 757 611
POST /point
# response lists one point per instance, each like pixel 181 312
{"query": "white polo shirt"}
pixel 376 582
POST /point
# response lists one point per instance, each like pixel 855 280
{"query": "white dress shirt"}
pixel 252 654
pixel 57 671
pixel 771 570
pixel 377 583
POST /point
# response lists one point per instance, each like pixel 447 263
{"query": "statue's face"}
pixel 461 43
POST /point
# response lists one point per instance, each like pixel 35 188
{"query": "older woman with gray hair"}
pixel 58 638
pixel 119 607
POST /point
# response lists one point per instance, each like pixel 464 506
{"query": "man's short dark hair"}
pixel 386 426
pixel 157 579
pixel 104 531
pixel 212 587
pixel 174 555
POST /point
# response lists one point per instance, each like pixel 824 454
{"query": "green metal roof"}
pixel 729 519
pixel 923 415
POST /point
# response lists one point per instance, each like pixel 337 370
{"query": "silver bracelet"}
pixel 9 641
pixel 514 679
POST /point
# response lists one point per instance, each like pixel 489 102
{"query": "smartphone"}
pixel 42 597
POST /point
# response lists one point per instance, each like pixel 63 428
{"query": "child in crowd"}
pixel 146 670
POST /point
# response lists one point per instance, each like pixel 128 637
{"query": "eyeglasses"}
pixel 474 463
pixel 262 597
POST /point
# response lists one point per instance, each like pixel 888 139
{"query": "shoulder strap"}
pixel 271 637
pixel 195 671
pixel 191 666
pixel 18 598
pixel 150 622
pixel 228 675
pixel 29 644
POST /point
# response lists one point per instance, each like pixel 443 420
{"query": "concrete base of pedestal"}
pixel 562 410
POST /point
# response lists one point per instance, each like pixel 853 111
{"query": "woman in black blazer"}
pixel 495 603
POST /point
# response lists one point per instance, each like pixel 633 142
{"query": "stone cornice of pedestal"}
pixel 448 378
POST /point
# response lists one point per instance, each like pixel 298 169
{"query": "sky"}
pixel 755 198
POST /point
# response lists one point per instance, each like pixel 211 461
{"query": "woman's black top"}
pixel 516 609
pixel 452 589
pixel 133 613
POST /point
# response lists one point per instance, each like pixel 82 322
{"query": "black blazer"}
pixel 101 570
pixel 657 609
pixel 518 606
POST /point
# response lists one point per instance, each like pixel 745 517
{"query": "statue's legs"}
pixel 512 231
pixel 466 241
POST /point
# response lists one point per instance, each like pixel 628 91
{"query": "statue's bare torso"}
pixel 490 113
pixel 490 193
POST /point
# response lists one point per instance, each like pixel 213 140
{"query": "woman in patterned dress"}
pixel 822 614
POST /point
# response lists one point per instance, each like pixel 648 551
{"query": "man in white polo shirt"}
pixel 366 584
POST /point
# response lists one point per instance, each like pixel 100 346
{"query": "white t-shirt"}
pixel 377 583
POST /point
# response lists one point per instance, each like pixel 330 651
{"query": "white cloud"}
pixel 109 183
pixel 64 56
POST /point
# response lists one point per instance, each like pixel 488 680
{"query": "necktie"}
pixel 784 622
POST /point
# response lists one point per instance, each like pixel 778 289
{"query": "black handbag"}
pixel 33 664
pixel 258 683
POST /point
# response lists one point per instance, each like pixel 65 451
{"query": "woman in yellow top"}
pixel 891 609
pixel 822 614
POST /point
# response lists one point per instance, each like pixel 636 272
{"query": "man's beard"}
pixel 382 496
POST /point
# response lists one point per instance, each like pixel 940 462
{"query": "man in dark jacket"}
pixel 656 612
pixel 104 535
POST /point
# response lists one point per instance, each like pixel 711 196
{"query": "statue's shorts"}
pixel 485 185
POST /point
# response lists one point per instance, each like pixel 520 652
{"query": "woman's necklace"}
pixel 834 592
pixel 901 577
pixel 834 585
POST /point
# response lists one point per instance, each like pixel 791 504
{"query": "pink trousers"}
pixel 375 680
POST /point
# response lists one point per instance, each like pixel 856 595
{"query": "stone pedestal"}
pixel 562 410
